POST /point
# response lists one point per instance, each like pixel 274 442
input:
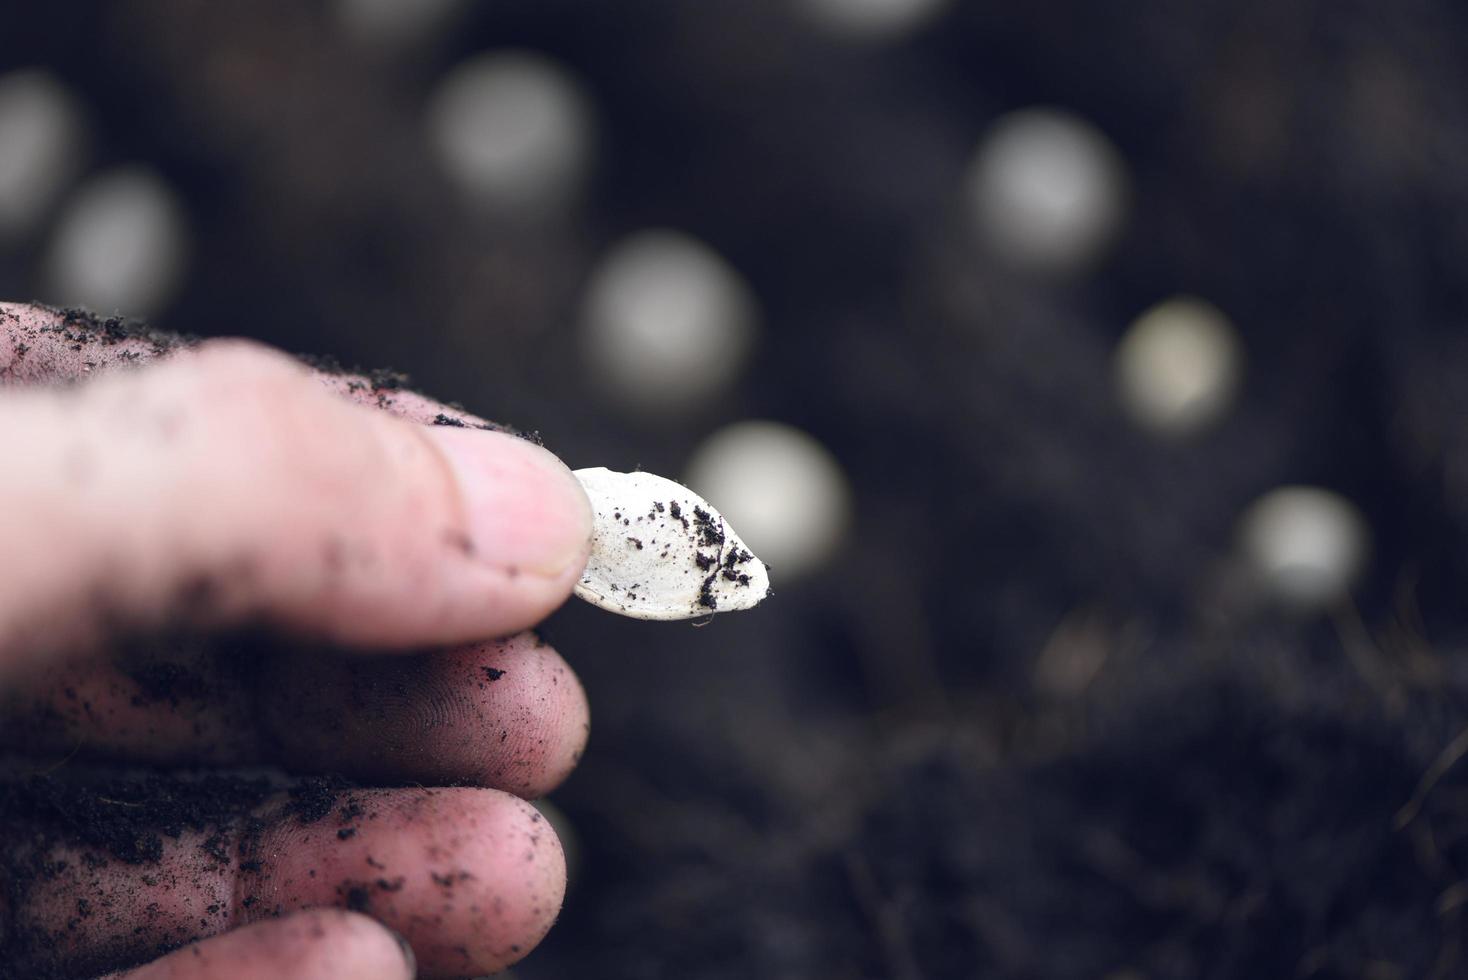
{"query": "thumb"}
pixel 225 484
pixel 318 944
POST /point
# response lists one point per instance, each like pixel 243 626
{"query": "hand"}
pixel 227 485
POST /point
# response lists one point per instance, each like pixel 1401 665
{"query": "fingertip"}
pixel 526 877
pixel 536 716
pixel 473 878
pixel 527 866
pixel 557 716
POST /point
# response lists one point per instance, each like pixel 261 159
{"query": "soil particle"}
pixel 448 879
pixel 126 818
pixel 710 531
pixel 357 897
pixel 312 799
pixel 384 382
pixel 214 847
pixel 706 597
pixel 81 327
pixel 379 379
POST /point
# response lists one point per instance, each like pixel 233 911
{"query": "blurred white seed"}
pixel 392 22
pixel 785 492
pixel 513 130
pixel 1178 366
pixel 871 20
pixel 120 245
pixel 666 322
pixel 42 135
pixel 1047 191
pixel 1307 546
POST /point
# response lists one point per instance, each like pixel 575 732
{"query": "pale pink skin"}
pixel 317 944
pixel 100 513
pixel 471 878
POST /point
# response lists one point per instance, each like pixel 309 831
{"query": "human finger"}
pixel 223 484
pixel 318 944
pixel 471 878
pixel 508 714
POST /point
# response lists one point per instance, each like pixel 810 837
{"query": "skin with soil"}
pixel 202 854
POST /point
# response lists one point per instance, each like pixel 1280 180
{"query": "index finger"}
pixel 223 486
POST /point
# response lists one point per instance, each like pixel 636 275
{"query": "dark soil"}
pixel 83 326
pixel 126 818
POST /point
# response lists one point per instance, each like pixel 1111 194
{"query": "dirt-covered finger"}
pixel 110 874
pixel 508 714
pixel 225 485
pixel 43 345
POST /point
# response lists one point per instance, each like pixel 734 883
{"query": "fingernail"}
pixel 525 511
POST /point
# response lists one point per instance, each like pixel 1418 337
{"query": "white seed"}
pixel 668 323
pixel 514 131
pixel 396 22
pixel 120 245
pixel 871 20
pixel 1306 546
pixel 42 133
pixel 659 551
pixel 1178 367
pixel 1047 191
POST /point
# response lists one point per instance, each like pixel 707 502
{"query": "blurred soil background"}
pixel 1054 697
